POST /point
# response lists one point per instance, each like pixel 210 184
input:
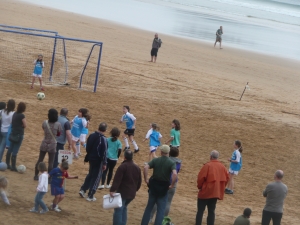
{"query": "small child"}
pixel 38 71
pixel 3 186
pixel 175 134
pixel 58 176
pixel 154 142
pixel 84 133
pixel 235 165
pixel 78 123
pixel 243 219
pixel 41 189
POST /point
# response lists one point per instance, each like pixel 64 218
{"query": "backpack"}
pixel 167 221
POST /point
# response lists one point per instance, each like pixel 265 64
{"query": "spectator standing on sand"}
pixel 16 136
pixel 96 148
pixel 52 129
pixel 6 119
pixel 243 219
pixel 212 180
pixel 156 44
pixel 219 36
pixel 275 194
pixel 159 184
pixel 127 182
pixel 65 134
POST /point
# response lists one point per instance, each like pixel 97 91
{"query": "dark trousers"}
pixel 59 146
pixel 110 169
pixel 267 216
pixel 92 180
pixel 211 206
pixel 41 159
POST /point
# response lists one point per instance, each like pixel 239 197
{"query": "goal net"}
pixel 68 61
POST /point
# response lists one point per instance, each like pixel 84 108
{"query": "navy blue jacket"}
pixel 96 147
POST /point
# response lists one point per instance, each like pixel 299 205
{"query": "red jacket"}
pixel 212 180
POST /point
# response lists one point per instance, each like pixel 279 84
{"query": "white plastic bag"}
pixel 112 202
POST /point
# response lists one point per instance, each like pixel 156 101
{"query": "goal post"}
pixel 71 61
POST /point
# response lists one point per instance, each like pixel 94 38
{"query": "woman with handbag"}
pixel 52 129
pixel 16 136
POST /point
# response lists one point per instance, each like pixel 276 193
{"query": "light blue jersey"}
pixel 78 125
pixel 38 68
pixel 236 155
pixel 113 147
pixel 85 130
pixel 154 137
pixel 129 119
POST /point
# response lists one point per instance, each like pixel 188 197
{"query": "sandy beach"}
pixel 191 81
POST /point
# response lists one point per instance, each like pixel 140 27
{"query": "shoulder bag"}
pixel 47 124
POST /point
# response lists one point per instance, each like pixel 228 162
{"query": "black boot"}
pixel 13 163
pixel 36 172
pixel 8 155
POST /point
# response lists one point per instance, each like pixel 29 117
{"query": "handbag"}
pixel 47 124
pixel 14 137
pixel 112 202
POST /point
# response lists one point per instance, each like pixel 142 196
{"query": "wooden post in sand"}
pixel 244 91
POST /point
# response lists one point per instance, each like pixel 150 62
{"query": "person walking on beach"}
pixel 212 180
pixel 159 184
pixel 275 194
pixel 127 182
pixel 96 148
pixel 156 44
pixel 219 37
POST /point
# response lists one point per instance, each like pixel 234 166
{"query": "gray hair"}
pixel 102 127
pixel 279 174
pixel 64 111
pixel 214 154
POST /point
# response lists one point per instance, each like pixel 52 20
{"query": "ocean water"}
pixel 268 26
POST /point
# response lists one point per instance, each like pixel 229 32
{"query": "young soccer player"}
pixel 41 189
pixel 3 187
pixel 78 123
pixel 235 165
pixel 154 142
pixel 84 133
pixel 130 128
pixel 175 134
pixel 38 71
pixel 58 175
pixel 113 154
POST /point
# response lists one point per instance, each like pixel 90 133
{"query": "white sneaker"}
pixel 81 193
pixel 56 209
pixel 107 186
pixel 101 187
pixel 91 199
pixel 75 156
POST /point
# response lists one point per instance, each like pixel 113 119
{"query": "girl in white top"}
pixel 3 186
pixel 41 189
pixel 6 118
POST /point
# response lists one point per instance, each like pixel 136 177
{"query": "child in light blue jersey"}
pixel 78 123
pixel 154 142
pixel 84 133
pixel 130 121
pixel 235 165
pixel 38 71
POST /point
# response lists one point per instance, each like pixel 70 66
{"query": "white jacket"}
pixel 43 183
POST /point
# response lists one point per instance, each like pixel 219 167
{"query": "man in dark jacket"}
pixel 96 148
pixel 156 44
pixel 127 182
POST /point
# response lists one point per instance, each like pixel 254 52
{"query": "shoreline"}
pixel 227 45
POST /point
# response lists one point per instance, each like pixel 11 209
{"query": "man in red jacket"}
pixel 127 182
pixel 212 180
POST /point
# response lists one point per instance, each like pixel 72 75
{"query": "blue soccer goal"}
pixel 68 61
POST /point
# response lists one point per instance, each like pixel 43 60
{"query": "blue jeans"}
pixel 171 193
pixel 38 201
pixel 15 146
pixel 2 144
pixel 120 214
pixel 161 203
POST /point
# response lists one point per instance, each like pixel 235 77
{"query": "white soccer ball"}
pixel 21 169
pixel 40 96
pixel 3 166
